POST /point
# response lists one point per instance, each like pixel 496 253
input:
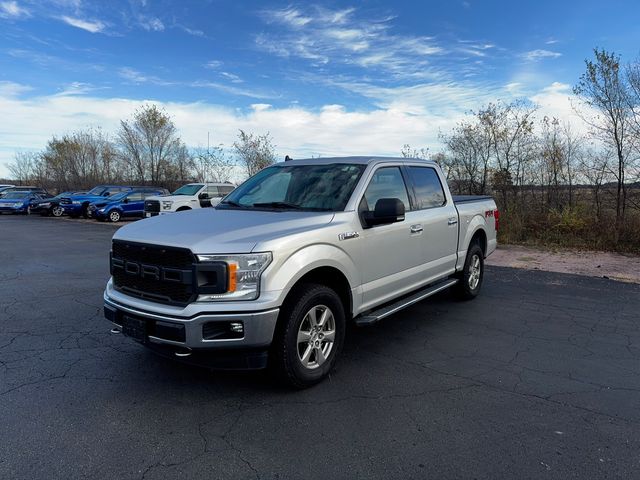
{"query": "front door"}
pixel 391 254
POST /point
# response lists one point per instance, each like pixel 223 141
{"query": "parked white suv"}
pixel 187 197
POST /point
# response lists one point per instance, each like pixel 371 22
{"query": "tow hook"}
pixel 183 352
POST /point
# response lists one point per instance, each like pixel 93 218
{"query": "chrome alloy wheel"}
pixel 114 216
pixel 316 335
pixel 57 211
pixel 474 272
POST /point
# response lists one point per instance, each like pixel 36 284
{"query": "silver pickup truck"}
pixel 273 274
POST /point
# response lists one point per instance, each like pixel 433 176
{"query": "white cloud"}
pixel 288 16
pixel 325 36
pixel 213 64
pixel 93 26
pixel 414 115
pixel 151 24
pixel 12 10
pixel 535 55
pixel 232 77
pixel 12 89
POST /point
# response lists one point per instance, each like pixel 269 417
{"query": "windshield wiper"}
pixel 292 206
pixel 232 203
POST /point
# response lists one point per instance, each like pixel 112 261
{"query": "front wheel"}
pixel 470 279
pixel 309 336
pixel 57 211
pixel 114 216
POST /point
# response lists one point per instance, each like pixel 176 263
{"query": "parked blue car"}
pixel 76 205
pixel 19 202
pixel 125 204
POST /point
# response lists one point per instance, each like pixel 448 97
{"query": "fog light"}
pixel 236 327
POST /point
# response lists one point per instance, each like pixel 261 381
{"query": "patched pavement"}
pixel 539 377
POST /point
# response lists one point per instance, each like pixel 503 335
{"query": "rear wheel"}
pixel 57 211
pixel 114 216
pixel 472 274
pixel 309 336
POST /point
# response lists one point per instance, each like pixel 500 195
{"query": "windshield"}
pixel 96 191
pixel 15 195
pixel 298 187
pixel 190 189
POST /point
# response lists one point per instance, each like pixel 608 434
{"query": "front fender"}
pixel 288 271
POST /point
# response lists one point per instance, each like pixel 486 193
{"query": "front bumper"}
pixel 12 209
pixel 71 209
pixel 185 338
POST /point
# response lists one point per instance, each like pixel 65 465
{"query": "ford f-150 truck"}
pixel 271 276
pixel 187 197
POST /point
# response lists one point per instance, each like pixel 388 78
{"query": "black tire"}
pixel 183 209
pixel 285 360
pixel 85 210
pixel 470 279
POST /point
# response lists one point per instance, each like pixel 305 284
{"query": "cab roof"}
pixel 354 160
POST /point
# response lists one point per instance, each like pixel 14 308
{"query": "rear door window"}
pixel 427 187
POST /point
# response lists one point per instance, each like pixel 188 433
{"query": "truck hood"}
pixel 209 230
pixel 173 198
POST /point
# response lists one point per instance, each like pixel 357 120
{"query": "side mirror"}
pixel 126 200
pixel 203 196
pixel 387 210
pixel 106 194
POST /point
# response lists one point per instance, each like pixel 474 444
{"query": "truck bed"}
pixel 470 198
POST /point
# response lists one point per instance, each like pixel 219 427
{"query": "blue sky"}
pixel 322 78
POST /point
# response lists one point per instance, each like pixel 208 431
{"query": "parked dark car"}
pixel 51 206
pixel 126 204
pixel 76 205
pixel 17 201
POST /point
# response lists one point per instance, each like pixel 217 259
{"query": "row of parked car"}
pixel 111 202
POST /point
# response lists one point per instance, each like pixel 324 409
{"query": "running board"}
pixel 377 315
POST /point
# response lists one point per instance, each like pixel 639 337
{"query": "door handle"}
pixel 416 228
pixel 452 221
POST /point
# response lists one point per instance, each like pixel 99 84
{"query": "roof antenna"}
pixel 287 158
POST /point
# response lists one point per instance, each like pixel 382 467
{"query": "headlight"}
pixel 44 205
pixel 166 205
pixel 243 272
pixel 101 210
pixel 76 202
pixel 18 204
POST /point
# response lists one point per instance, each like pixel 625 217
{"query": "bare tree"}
pixel 605 89
pixel 213 164
pixel 255 152
pixel 408 152
pixel 150 144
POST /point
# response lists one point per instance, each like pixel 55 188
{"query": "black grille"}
pixel 156 273
pixel 152 206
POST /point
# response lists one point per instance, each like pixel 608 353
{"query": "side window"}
pixel 135 197
pixel 387 182
pixel 428 189
pixel 225 190
pixel 212 191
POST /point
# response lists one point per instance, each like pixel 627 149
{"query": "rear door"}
pixel 437 216
pixel 391 254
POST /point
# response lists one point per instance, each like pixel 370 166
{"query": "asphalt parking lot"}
pixel 539 377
